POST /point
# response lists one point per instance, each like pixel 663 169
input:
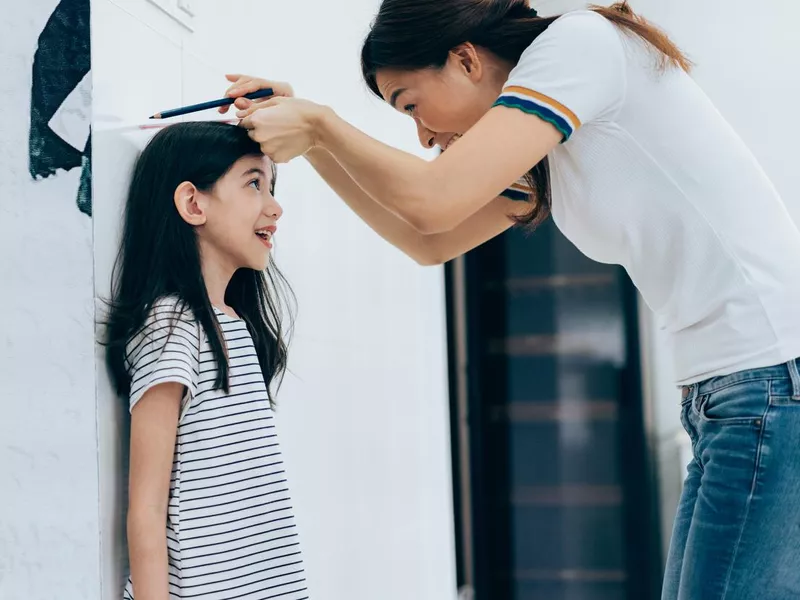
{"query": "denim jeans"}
pixel 737 531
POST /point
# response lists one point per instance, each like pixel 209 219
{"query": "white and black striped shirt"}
pixel 230 529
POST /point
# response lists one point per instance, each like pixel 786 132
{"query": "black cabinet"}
pixel 555 497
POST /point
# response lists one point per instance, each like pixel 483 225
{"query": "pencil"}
pixel 176 112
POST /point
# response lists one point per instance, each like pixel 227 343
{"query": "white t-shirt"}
pixel 651 177
pixel 230 529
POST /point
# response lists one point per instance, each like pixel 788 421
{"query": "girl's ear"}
pixel 189 203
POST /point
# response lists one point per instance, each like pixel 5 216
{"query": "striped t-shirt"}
pixel 230 529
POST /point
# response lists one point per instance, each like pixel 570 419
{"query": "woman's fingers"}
pixel 243 114
pixel 247 123
pixel 240 104
pixel 244 84
pixel 246 115
pixel 245 87
pixel 231 92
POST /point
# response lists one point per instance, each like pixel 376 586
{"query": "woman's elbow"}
pixel 431 252
pixel 429 220
pixel 428 260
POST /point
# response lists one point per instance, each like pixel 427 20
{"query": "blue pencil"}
pixel 176 112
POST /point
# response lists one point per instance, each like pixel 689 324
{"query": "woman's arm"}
pixel 439 195
pixel 435 196
pixel 431 249
pixel 387 225
pixel 154 424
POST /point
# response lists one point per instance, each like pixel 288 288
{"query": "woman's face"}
pixel 446 102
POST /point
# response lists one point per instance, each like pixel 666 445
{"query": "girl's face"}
pixel 240 216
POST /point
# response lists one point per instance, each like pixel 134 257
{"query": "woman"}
pixel 637 168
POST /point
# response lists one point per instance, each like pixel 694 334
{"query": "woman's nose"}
pixel 426 137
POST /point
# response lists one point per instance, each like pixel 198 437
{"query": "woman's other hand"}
pixel 245 84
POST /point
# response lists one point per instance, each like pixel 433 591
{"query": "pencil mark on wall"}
pixel 61 98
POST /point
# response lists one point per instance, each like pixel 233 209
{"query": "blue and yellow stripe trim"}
pixel 519 192
pixel 542 106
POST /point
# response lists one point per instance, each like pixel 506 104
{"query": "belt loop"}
pixel 794 374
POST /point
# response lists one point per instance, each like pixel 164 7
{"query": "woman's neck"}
pixel 497 68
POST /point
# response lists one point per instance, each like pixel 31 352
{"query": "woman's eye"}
pixel 255 183
pixel 410 108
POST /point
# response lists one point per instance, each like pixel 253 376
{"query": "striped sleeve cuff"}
pixel 542 106
pixel 167 371
pixel 519 192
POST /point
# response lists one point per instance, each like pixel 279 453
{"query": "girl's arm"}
pixel 154 424
pixel 432 249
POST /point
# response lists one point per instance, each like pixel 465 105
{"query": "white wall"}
pixel 364 411
pixel 48 468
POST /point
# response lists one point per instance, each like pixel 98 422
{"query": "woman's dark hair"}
pixel 159 255
pixel 419 34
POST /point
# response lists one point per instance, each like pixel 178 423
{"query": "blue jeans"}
pixel 737 531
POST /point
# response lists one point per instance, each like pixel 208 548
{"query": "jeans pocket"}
pixel 739 403
pixel 688 427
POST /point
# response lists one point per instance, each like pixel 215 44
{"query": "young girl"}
pixel 195 338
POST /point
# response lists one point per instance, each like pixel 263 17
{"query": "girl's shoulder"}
pixel 171 311
pixel 164 316
pixel 171 306
pixel 166 348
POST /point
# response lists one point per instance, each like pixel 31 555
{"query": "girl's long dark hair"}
pixel 159 255
pixel 419 34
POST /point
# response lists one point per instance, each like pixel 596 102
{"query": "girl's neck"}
pixel 217 275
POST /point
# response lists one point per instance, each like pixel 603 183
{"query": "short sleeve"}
pixel 572 74
pixel 166 350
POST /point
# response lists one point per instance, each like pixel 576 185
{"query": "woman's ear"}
pixel 189 203
pixel 468 60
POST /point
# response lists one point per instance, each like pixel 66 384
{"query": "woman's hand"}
pixel 284 127
pixel 244 84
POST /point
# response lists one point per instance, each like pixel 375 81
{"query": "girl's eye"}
pixel 256 182
pixel 410 108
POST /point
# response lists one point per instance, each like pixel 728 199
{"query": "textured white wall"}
pixel 48 442
pixel 363 413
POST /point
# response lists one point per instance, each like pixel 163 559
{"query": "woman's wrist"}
pixel 322 125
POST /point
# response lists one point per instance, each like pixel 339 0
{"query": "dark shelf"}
pixel 556 412
pixel 562 344
pixel 552 282
pixel 582 575
pixel 551 500
pixel 567 495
